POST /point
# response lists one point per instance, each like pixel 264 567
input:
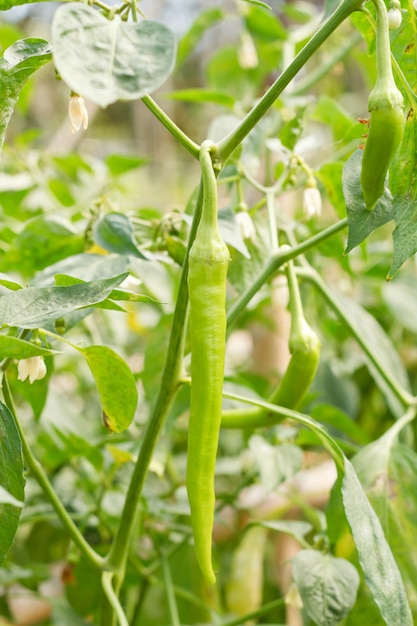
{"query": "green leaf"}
pixel 114 232
pixel 36 306
pixel 109 60
pixel 11 479
pixel 387 470
pixel 375 557
pixel 14 348
pixel 328 111
pixel 19 61
pixel 405 233
pixel 361 222
pixel 7 498
pixel 295 528
pixel 400 296
pixel 44 240
pixel 116 386
pixel 276 464
pixel 382 348
pixel 330 176
pixel 205 20
pixel 9 283
pixel 119 164
pixel 327 586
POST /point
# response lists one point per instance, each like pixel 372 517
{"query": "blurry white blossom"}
pixel 311 201
pixel 78 115
pixel 247 55
pixel 394 18
pixel 34 368
pixel 247 228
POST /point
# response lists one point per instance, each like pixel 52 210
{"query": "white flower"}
pixel 78 114
pixel 394 19
pixel 34 367
pixel 247 55
pixel 312 202
pixel 247 229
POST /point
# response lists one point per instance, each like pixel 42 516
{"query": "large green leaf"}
pixel 387 470
pixel 19 61
pixel 108 60
pixel 327 585
pixel 36 306
pixel 12 482
pixel 116 386
pixel 379 567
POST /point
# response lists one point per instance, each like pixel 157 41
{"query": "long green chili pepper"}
pixel 208 262
pixel 386 122
pixel 305 356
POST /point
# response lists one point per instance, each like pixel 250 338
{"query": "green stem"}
pixel 276 261
pixel 175 131
pixel 328 442
pixel 169 589
pixel 117 556
pixel 383 46
pixel 106 581
pixel 310 274
pixel 227 145
pixel 37 471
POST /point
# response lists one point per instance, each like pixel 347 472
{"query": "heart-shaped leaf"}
pixel 108 60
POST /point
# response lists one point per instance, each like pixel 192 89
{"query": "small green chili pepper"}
pixel 305 356
pixel 387 121
pixel 208 262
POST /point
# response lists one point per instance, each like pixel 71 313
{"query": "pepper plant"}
pixel 150 468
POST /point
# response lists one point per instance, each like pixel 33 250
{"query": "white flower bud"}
pixel 394 19
pixel 78 115
pixel 247 229
pixel 311 201
pixel 34 367
pixel 247 55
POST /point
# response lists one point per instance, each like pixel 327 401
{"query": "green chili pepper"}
pixel 244 587
pixel 386 123
pixel 305 356
pixel 208 262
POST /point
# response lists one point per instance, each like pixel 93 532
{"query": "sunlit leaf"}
pixel 36 306
pixel 115 384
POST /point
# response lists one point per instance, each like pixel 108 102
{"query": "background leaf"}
pixel 11 479
pixel 108 60
pixel 19 61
